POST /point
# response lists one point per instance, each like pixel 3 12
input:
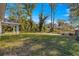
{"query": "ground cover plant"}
pixel 37 44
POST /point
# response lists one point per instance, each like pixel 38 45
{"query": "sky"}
pixel 61 12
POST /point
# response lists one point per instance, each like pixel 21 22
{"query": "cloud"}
pixel 6 16
pixel 49 21
pixel 68 10
pixel 66 15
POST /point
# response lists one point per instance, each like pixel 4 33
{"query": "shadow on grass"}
pixel 43 45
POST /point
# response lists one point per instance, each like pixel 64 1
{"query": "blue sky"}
pixel 62 12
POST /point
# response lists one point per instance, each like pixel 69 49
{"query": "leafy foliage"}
pixel 22 13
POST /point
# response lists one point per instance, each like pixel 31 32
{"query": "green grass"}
pixel 34 44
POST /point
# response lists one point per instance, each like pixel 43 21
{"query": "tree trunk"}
pixel 51 21
pixel 31 23
pixel 41 20
pixel 77 34
pixel 2 14
pixel 0 28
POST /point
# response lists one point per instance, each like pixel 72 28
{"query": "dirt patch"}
pixel 11 44
pixel 36 47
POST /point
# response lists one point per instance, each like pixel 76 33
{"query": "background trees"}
pixel 23 14
pixel 74 14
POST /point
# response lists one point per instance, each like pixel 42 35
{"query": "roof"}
pixel 8 22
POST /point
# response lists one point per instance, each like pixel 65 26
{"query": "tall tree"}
pixel 29 10
pixel 21 17
pixel 42 18
pixel 53 10
pixel 17 14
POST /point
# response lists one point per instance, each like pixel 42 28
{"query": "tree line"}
pixel 22 14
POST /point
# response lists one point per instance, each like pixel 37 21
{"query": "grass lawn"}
pixel 38 45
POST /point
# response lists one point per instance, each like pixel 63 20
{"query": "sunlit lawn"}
pixel 34 44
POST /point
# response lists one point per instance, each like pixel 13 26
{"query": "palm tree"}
pixel 29 10
pixel 53 8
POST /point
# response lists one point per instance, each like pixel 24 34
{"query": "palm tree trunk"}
pixel 51 20
pixel 31 23
pixel 31 18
